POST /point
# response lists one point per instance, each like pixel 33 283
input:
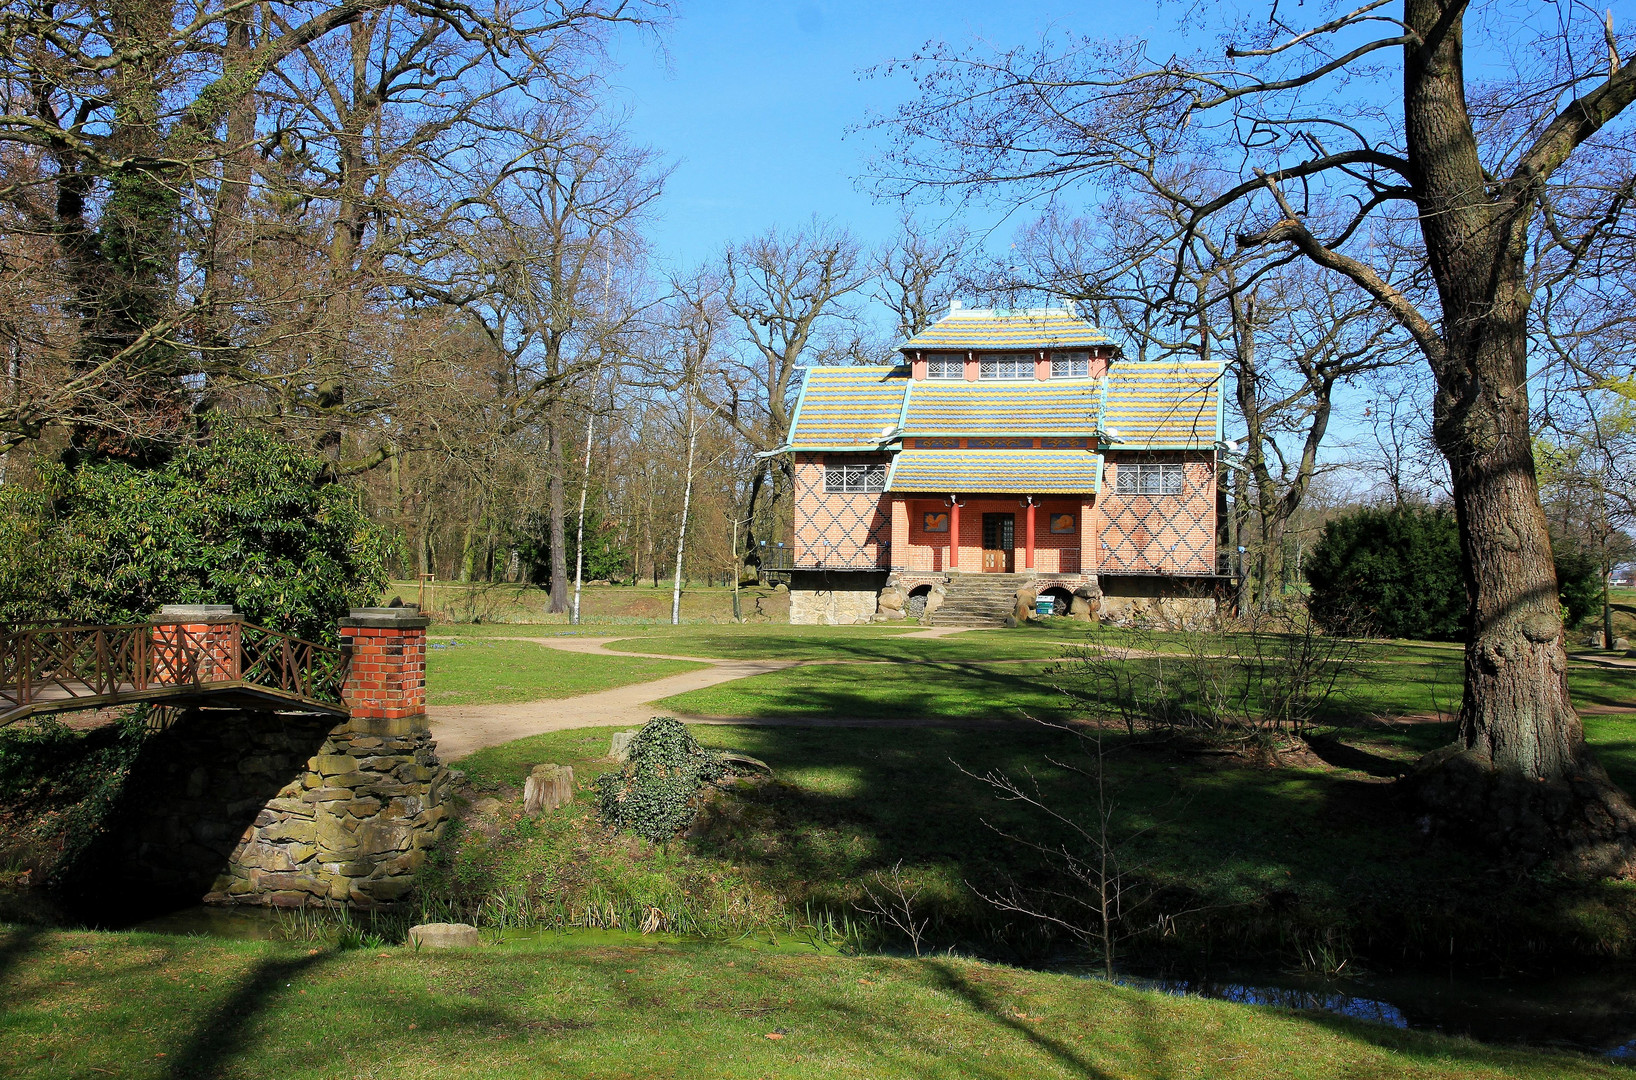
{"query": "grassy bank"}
pixel 146 1007
pixel 481 671
pixel 1312 864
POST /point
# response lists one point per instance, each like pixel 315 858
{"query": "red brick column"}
pixel 387 676
pixel 194 643
pixel 954 532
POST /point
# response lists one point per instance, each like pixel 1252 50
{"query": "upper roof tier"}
pixel 1165 405
pixel 1000 329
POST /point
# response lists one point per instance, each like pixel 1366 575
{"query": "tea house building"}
pixel 1009 450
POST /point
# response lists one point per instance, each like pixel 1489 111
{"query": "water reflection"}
pixel 1593 1012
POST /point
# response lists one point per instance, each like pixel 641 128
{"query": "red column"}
pixel 954 532
pixel 1029 562
pixel 387 677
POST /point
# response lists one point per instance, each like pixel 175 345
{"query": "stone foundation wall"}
pixel 833 599
pixel 286 809
pixel 353 829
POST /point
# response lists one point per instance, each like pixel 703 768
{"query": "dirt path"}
pixel 459 730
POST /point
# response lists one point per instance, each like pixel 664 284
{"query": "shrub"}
pixel 657 793
pixel 1578 582
pixel 1394 572
pixel 241 518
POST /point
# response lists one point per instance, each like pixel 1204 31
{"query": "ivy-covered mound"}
pixel 239 518
pixel 657 793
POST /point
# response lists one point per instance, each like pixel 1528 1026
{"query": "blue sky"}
pixel 753 101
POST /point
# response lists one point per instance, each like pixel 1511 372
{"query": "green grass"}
pixel 1270 864
pixel 841 643
pixel 485 672
pixel 602 605
pixel 147 1007
pixel 957 691
pixel 1389 680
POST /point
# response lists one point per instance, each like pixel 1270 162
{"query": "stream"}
pixel 1592 1011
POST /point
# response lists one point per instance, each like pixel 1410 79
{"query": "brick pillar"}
pixel 1029 563
pixel 387 679
pixel 356 825
pixel 900 534
pixel 954 533
pixel 194 643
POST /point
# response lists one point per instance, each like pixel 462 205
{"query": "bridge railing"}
pixel 85 665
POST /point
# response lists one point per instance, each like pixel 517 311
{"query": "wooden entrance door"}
pixel 999 543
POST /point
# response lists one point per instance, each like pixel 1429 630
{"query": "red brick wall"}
pixel 834 529
pixel 1168 534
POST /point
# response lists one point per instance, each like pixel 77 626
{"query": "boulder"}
pixel 1023 605
pixel 1086 603
pixel 1621 644
pixel 548 787
pixel 443 935
pixel 891 602
pixel 934 600
pixel 620 748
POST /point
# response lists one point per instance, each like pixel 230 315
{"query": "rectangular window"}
pixel 1006 366
pixel 945 367
pixel 1151 480
pixel 1072 365
pixel 855 479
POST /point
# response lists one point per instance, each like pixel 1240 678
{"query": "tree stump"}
pixel 548 787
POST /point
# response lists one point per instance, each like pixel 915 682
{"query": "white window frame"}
pixel 945 367
pixel 1141 479
pixel 1006 366
pixel 850 479
pixel 1070 365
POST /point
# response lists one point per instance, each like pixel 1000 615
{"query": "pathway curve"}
pixel 461 729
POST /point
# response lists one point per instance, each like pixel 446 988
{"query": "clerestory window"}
pixel 855 479
pixel 945 367
pixel 1074 365
pixel 1006 366
pixel 1151 480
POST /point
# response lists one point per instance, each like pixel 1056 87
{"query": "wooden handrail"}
pixel 78 666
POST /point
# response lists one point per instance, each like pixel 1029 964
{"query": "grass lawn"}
pixel 1395 680
pixel 954 690
pixel 484 672
pixel 147 1006
pixel 1272 864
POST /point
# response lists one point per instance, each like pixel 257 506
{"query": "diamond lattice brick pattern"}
pixel 833 529
pixel 1173 534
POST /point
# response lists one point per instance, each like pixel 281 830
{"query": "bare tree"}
pixel 918 273
pixel 789 295
pixel 1334 166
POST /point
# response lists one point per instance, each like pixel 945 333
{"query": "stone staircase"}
pixel 979 599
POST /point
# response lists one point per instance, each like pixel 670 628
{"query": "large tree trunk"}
pixel 1522 777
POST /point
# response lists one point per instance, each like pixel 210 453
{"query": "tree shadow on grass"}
pixel 952 979
pixel 1264 857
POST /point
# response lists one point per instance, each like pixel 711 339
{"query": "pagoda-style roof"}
pixel 1162 406
pixel 1137 406
pixel 848 407
pixel 1021 472
pixel 1024 407
pixel 999 330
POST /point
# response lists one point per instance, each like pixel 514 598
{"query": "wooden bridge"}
pixel 186 655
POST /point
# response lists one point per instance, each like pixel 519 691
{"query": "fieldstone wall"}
pixel 352 830
pixel 288 809
pixel 261 806
pixel 834 599
pixel 1160 612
